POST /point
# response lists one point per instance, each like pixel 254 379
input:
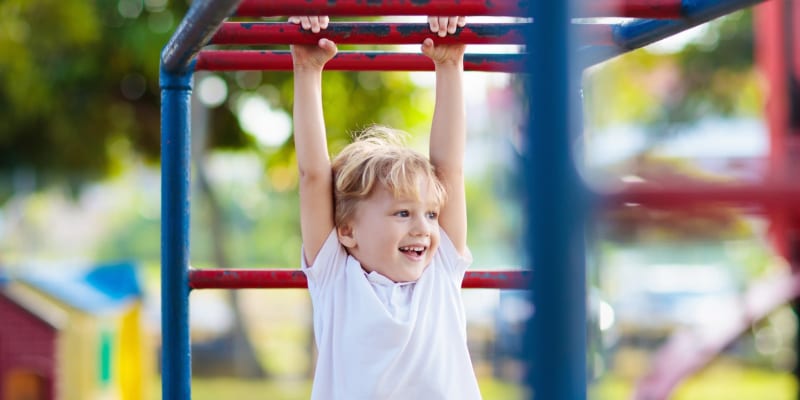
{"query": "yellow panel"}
pixel 131 353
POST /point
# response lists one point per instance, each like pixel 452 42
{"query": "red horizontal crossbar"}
pixel 767 195
pixel 268 8
pixel 237 60
pixel 275 33
pixel 664 9
pixel 510 8
pixel 265 33
pixel 296 279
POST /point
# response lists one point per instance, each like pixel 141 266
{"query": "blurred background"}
pixel 80 213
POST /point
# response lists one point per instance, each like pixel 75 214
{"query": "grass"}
pixel 720 381
pixel 208 389
pixel 215 389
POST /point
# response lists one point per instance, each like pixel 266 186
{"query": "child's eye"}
pixel 402 213
pixel 432 215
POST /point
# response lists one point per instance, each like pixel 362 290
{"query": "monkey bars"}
pixel 498 8
pixel 263 60
pixel 270 33
pixel 654 20
pixel 296 279
pixel 557 203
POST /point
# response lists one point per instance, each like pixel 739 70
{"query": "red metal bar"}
pixel 674 196
pixel 510 8
pixel 267 8
pixel 296 279
pixel 274 33
pixel 665 9
pixel 266 33
pixel 777 50
pixel 236 60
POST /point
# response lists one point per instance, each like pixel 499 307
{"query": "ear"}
pixel 346 237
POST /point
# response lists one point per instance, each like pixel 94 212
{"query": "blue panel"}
pixel 116 280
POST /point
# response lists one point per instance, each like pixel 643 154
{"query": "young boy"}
pixel 385 242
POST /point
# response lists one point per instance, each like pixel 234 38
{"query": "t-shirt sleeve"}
pixel 330 262
pixel 450 259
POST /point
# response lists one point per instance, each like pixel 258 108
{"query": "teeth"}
pixel 412 248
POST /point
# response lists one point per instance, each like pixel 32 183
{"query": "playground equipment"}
pixel 74 336
pixel 557 202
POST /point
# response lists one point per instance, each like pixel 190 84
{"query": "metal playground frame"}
pixel 558 204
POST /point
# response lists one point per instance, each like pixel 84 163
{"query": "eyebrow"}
pixel 400 203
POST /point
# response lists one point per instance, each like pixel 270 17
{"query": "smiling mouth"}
pixel 414 250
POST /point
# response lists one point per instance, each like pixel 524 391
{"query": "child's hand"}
pixel 313 22
pixel 445 25
pixel 443 54
pixel 311 56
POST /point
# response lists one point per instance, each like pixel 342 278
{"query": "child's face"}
pixel 396 237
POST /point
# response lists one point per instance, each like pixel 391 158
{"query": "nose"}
pixel 421 226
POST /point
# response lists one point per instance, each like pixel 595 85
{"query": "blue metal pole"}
pixel 637 33
pixel 196 29
pixel 176 364
pixel 556 334
pixel 641 32
pixel 177 66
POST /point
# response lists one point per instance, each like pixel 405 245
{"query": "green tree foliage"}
pixel 76 79
pixel 79 90
pixel 712 75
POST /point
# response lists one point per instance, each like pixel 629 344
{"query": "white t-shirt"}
pixel 383 340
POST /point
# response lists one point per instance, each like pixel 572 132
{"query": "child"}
pixel 385 242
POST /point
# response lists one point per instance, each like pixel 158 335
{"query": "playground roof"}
pixel 100 289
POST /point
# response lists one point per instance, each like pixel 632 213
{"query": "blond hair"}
pixel 378 158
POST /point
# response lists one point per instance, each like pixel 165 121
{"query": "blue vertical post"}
pixel 175 198
pixel 556 334
pixel 177 66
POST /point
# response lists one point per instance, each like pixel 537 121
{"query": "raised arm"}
pixel 313 161
pixel 448 130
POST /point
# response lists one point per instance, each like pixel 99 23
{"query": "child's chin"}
pixel 408 276
pixel 415 275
